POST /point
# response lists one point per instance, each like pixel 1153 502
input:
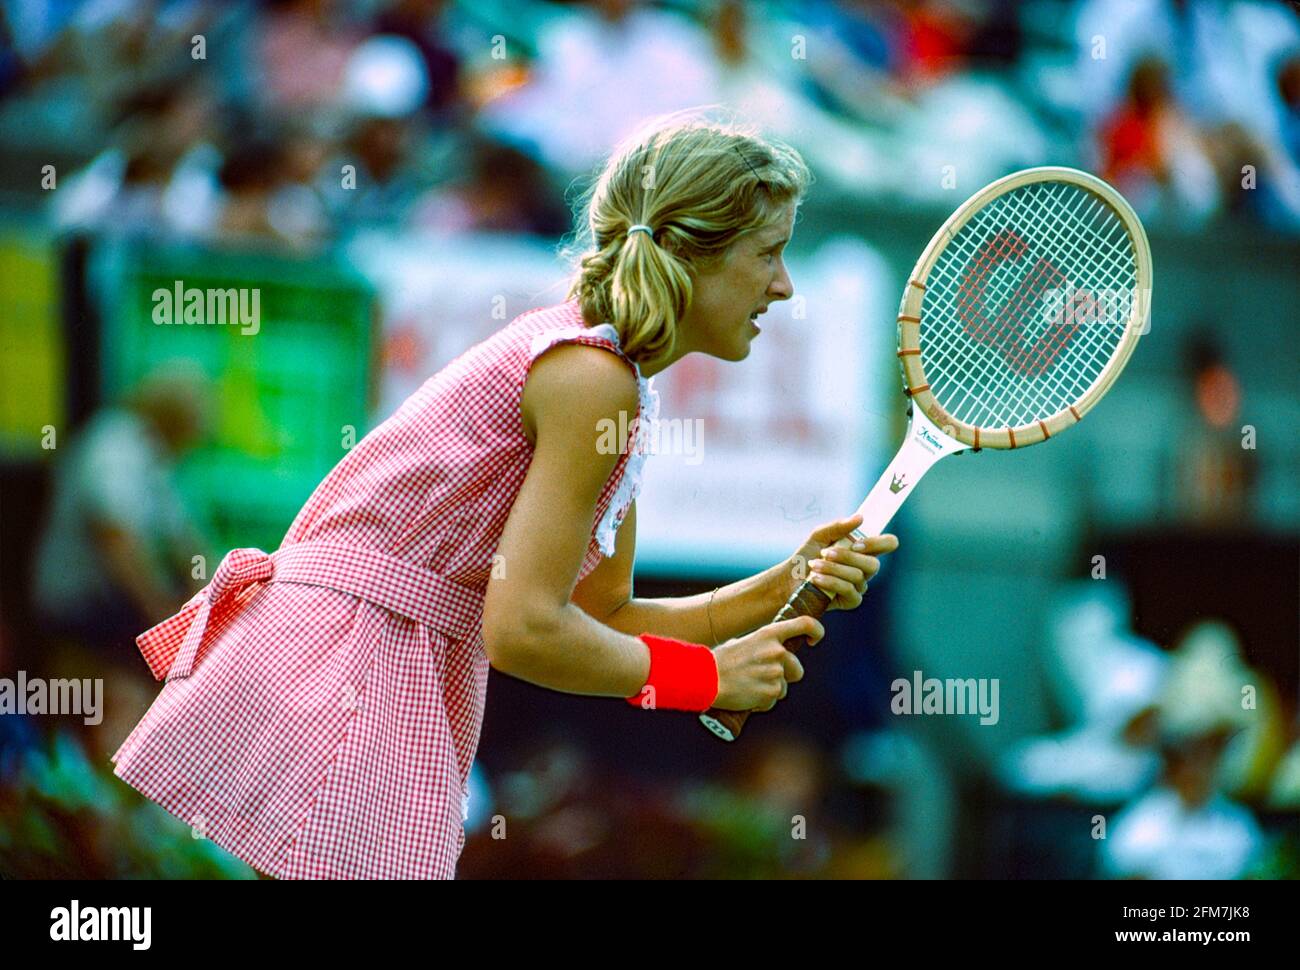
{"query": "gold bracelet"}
pixel 710 612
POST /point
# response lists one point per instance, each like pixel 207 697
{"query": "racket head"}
pixel 1025 307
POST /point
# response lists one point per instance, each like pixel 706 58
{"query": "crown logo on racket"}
pixel 898 484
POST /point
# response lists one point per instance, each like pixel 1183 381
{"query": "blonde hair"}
pixel 699 184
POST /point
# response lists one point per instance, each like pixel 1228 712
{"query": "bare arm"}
pixel 531 629
pixel 737 609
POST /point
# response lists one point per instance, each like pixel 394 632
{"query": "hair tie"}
pixel 640 228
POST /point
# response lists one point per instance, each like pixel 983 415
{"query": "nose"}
pixel 781 287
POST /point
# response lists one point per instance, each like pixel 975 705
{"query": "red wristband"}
pixel 683 676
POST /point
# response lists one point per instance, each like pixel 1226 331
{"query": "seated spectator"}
pixel 115 554
pixel 1152 153
pixel 158 177
pixel 418 22
pixel 1108 679
pixel 1186 827
pixel 249 177
pixel 503 191
pixel 303 51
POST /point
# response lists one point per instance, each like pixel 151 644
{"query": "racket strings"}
pixel 1047 390
pixel 1017 320
pixel 1093 355
pixel 1005 332
pixel 1014 314
pixel 1090 362
pixel 974 282
pixel 1114 246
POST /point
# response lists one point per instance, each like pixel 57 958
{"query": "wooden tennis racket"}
pixel 1018 317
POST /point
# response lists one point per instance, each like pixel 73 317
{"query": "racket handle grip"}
pixel 807 600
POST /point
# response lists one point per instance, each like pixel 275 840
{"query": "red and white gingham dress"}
pixel 323 704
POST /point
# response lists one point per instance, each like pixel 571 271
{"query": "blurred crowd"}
pixel 1187 744
pixel 298 124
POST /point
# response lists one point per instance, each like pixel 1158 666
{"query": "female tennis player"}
pixel 323 704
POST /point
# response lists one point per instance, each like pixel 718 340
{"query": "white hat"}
pixel 385 78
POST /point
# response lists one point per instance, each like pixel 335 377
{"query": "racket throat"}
pixel 923 445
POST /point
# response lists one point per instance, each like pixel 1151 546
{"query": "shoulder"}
pixel 579 383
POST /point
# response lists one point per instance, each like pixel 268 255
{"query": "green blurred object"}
pixel 31 341
pixel 70 818
pixel 293 391
pixel 749 839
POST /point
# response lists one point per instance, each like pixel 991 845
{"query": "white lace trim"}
pixel 629 485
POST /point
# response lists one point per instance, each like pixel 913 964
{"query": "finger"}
pixel 855 556
pixel 799 626
pixel 877 545
pixel 848 601
pixel 850 582
pixel 833 586
pixel 849 566
pixel 792 667
pixel 832 531
pixel 862 567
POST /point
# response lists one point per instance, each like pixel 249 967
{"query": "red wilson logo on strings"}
pixel 1065 307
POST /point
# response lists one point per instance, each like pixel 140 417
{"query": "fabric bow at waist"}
pixel 402 587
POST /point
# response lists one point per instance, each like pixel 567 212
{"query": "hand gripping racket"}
pixel 1018 317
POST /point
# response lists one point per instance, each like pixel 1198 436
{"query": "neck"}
pixel 650 370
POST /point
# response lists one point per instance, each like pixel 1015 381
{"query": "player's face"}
pixel 726 300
